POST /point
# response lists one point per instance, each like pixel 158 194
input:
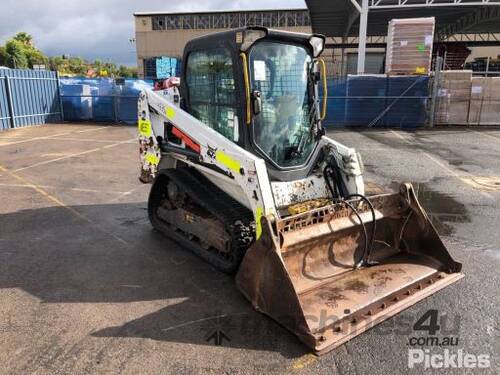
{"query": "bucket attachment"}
pixel 302 270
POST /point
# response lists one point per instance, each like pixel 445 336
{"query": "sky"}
pixel 100 29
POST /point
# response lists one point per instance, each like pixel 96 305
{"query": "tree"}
pixel 20 52
pixel 3 56
pixel 36 57
pixel 24 38
pixel 126 72
pixel 16 54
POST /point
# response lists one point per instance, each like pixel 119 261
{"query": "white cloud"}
pixel 98 28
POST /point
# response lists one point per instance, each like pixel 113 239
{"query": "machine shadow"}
pixel 112 255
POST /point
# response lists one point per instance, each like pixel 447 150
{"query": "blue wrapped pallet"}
pixel 101 99
pixel 377 101
pixel 335 110
pixel 365 98
pixel 409 94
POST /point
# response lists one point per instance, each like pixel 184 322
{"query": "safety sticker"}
pixel 258 224
pixel 228 161
pixel 145 128
pixel 152 159
pixel 170 112
pixel 259 70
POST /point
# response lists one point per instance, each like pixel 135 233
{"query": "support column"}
pixel 363 22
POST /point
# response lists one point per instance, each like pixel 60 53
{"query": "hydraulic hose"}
pixel 365 260
pixel 366 251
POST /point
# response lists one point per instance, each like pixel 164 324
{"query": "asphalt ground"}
pixel 86 286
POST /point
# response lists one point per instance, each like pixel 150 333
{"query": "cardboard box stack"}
pixel 485 101
pixel 409 45
pixel 454 97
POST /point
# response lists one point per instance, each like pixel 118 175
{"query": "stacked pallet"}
pixel 454 96
pixel 409 45
pixel 485 101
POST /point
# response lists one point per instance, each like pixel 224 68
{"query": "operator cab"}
pixel 258 88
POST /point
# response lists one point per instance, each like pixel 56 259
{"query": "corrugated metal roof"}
pixel 159 13
pixel 339 18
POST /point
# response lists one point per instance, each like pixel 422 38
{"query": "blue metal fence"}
pixel 101 99
pixel 4 105
pixel 28 97
pixel 377 101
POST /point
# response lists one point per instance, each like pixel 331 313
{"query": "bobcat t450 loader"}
pixel 244 176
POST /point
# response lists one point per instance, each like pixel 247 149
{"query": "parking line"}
pixel 400 136
pixel 74 155
pixel 125 194
pixel 120 193
pixel 458 176
pixel 60 203
pixel 486 135
pixel 201 320
pixel 304 361
pixel 81 140
pixel 53 136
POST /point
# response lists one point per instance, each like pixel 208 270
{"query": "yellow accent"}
pixel 247 86
pixel 309 205
pixel 170 112
pixel 420 70
pixel 145 128
pixel 228 161
pixel 152 159
pixel 258 226
pixel 304 361
pixel 325 88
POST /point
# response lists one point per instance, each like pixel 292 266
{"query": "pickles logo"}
pixel 438 337
pixel 447 359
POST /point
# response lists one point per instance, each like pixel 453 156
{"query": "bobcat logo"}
pixel 211 152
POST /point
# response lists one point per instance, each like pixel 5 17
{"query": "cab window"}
pixel 211 89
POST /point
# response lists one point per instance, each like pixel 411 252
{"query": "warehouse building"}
pixel 463 33
pixel 159 34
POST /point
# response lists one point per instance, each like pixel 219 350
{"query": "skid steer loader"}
pixel 244 176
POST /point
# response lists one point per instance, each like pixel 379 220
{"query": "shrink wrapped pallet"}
pixel 454 97
pixel 409 45
pixel 485 101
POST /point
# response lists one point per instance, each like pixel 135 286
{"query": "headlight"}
pixel 318 44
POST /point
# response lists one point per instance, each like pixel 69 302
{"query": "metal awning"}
pixel 344 18
pixel 340 18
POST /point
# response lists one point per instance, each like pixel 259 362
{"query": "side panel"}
pixel 298 191
pixel 246 170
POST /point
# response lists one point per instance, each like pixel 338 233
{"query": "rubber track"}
pixel 202 191
pixel 222 206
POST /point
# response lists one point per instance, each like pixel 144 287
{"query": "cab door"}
pixel 212 90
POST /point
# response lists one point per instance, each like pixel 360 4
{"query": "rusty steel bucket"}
pixel 303 270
